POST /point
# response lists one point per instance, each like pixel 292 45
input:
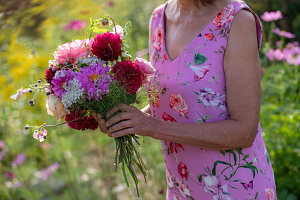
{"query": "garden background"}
pixel 79 165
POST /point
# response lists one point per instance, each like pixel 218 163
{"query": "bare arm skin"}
pixel 242 71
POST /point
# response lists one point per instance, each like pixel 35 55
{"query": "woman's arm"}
pixel 242 71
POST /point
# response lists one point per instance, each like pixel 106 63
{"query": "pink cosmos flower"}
pixel 275 54
pixel 272 16
pixel 1 144
pixel 283 33
pixel 76 25
pixel 70 52
pixel 19 93
pixel 19 160
pixel 40 135
pixel 44 174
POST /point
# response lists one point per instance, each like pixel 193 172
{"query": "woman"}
pixel 204 101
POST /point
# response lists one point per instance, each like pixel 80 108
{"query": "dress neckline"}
pixel 194 38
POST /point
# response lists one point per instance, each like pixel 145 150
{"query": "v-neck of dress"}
pixel 195 37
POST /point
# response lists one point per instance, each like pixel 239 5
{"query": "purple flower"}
pixel 76 25
pixel 19 160
pixel 19 93
pixel 61 78
pixel 272 16
pixel 209 98
pixel 283 33
pixel 275 54
pixel 94 80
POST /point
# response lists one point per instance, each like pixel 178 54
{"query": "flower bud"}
pixel 30 91
pixel 39 81
pixel 26 127
pixel 31 103
pixel 104 22
pixel 35 85
pixel 44 124
pixel 48 93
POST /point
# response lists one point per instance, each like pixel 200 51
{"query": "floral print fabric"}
pixel 192 89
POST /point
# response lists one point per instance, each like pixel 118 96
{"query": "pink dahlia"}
pixel 128 76
pixel 107 46
pixel 94 80
pixel 61 78
pixel 68 53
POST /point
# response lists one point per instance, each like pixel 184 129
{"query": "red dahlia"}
pixel 107 46
pixel 50 73
pixel 87 122
pixel 128 76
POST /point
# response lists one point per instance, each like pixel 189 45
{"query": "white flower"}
pixel 213 186
pixel 73 92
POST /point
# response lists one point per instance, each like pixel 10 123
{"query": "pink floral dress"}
pixel 192 89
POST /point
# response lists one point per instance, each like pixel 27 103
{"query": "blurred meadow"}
pixel 72 164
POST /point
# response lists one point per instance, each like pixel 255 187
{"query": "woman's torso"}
pixel 192 89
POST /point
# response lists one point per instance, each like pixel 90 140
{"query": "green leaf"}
pixel 124 173
pixel 99 30
pixel 199 59
pixel 200 178
pixel 215 165
pixel 253 169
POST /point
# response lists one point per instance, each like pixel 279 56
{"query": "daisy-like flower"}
pixel 61 77
pixel 94 80
pixel 73 92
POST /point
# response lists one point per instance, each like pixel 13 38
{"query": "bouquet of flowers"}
pixel 94 75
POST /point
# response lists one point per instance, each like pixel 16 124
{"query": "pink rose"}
pixel 177 103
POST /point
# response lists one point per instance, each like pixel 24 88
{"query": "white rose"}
pixel 55 107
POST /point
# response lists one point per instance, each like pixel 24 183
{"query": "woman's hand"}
pixel 133 121
pixel 101 122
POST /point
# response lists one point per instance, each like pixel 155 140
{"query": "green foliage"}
pixel 280 120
